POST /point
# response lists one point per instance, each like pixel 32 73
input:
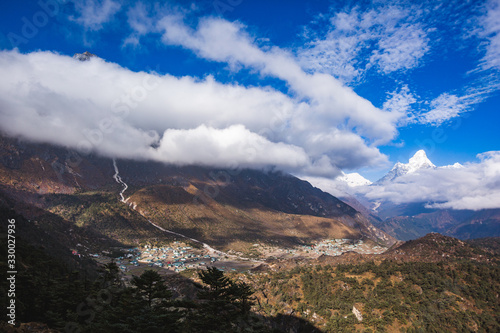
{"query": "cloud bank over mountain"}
pixel 343 86
pixel 473 186
pixel 99 106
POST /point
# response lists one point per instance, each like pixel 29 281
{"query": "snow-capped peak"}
pixel 417 162
pixel 453 166
pixel 354 179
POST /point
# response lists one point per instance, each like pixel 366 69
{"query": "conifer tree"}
pixel 150 286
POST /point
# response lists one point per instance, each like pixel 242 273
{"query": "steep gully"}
pixel 119 180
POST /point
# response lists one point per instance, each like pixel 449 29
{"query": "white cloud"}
pixel 443 108
pixel 484 29
pixel 223 41
pixel 231 146
pixel 357 42
pixel 400 102
pixel 334 186
pixel 102 107
pixel 142 18
pixel 387 38
pixel 474 186
pixel 93 14
pixel 139 20
pixel 333 55
pixel 490 31
pixel 346 149
pixel 400 49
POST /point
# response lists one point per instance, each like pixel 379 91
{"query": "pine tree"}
pixel 150 286
pixel 110 275
pixel 227 303
pixel 218 285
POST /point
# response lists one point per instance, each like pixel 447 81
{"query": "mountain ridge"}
pixel 411 220
pixel 213 204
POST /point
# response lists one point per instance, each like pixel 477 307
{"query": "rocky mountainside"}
pixel 488 244
pixel 85 56
pixel 226 208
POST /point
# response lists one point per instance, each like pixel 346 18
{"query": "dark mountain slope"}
pixel 218 206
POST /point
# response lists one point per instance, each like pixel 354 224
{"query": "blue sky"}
pixel 333 85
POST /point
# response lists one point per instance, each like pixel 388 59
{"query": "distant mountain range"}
pixel 419 161
pixel 407 221
pixel 224 208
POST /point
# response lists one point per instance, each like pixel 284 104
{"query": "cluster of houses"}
pixel 331 247
pixel 177 257
pixel 335 247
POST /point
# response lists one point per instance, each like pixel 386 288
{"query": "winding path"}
pixel 119 180
pixel 205 245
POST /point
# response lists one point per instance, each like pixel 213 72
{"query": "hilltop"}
pixel 436 247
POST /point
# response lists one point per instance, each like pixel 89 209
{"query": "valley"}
pixel 311 262
pixel 179 256
pixel 230 166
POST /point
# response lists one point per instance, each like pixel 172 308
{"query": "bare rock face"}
pixel 85 56
pixel 357 313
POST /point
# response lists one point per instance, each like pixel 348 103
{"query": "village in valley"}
pixel 179 256
pixel 329 247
